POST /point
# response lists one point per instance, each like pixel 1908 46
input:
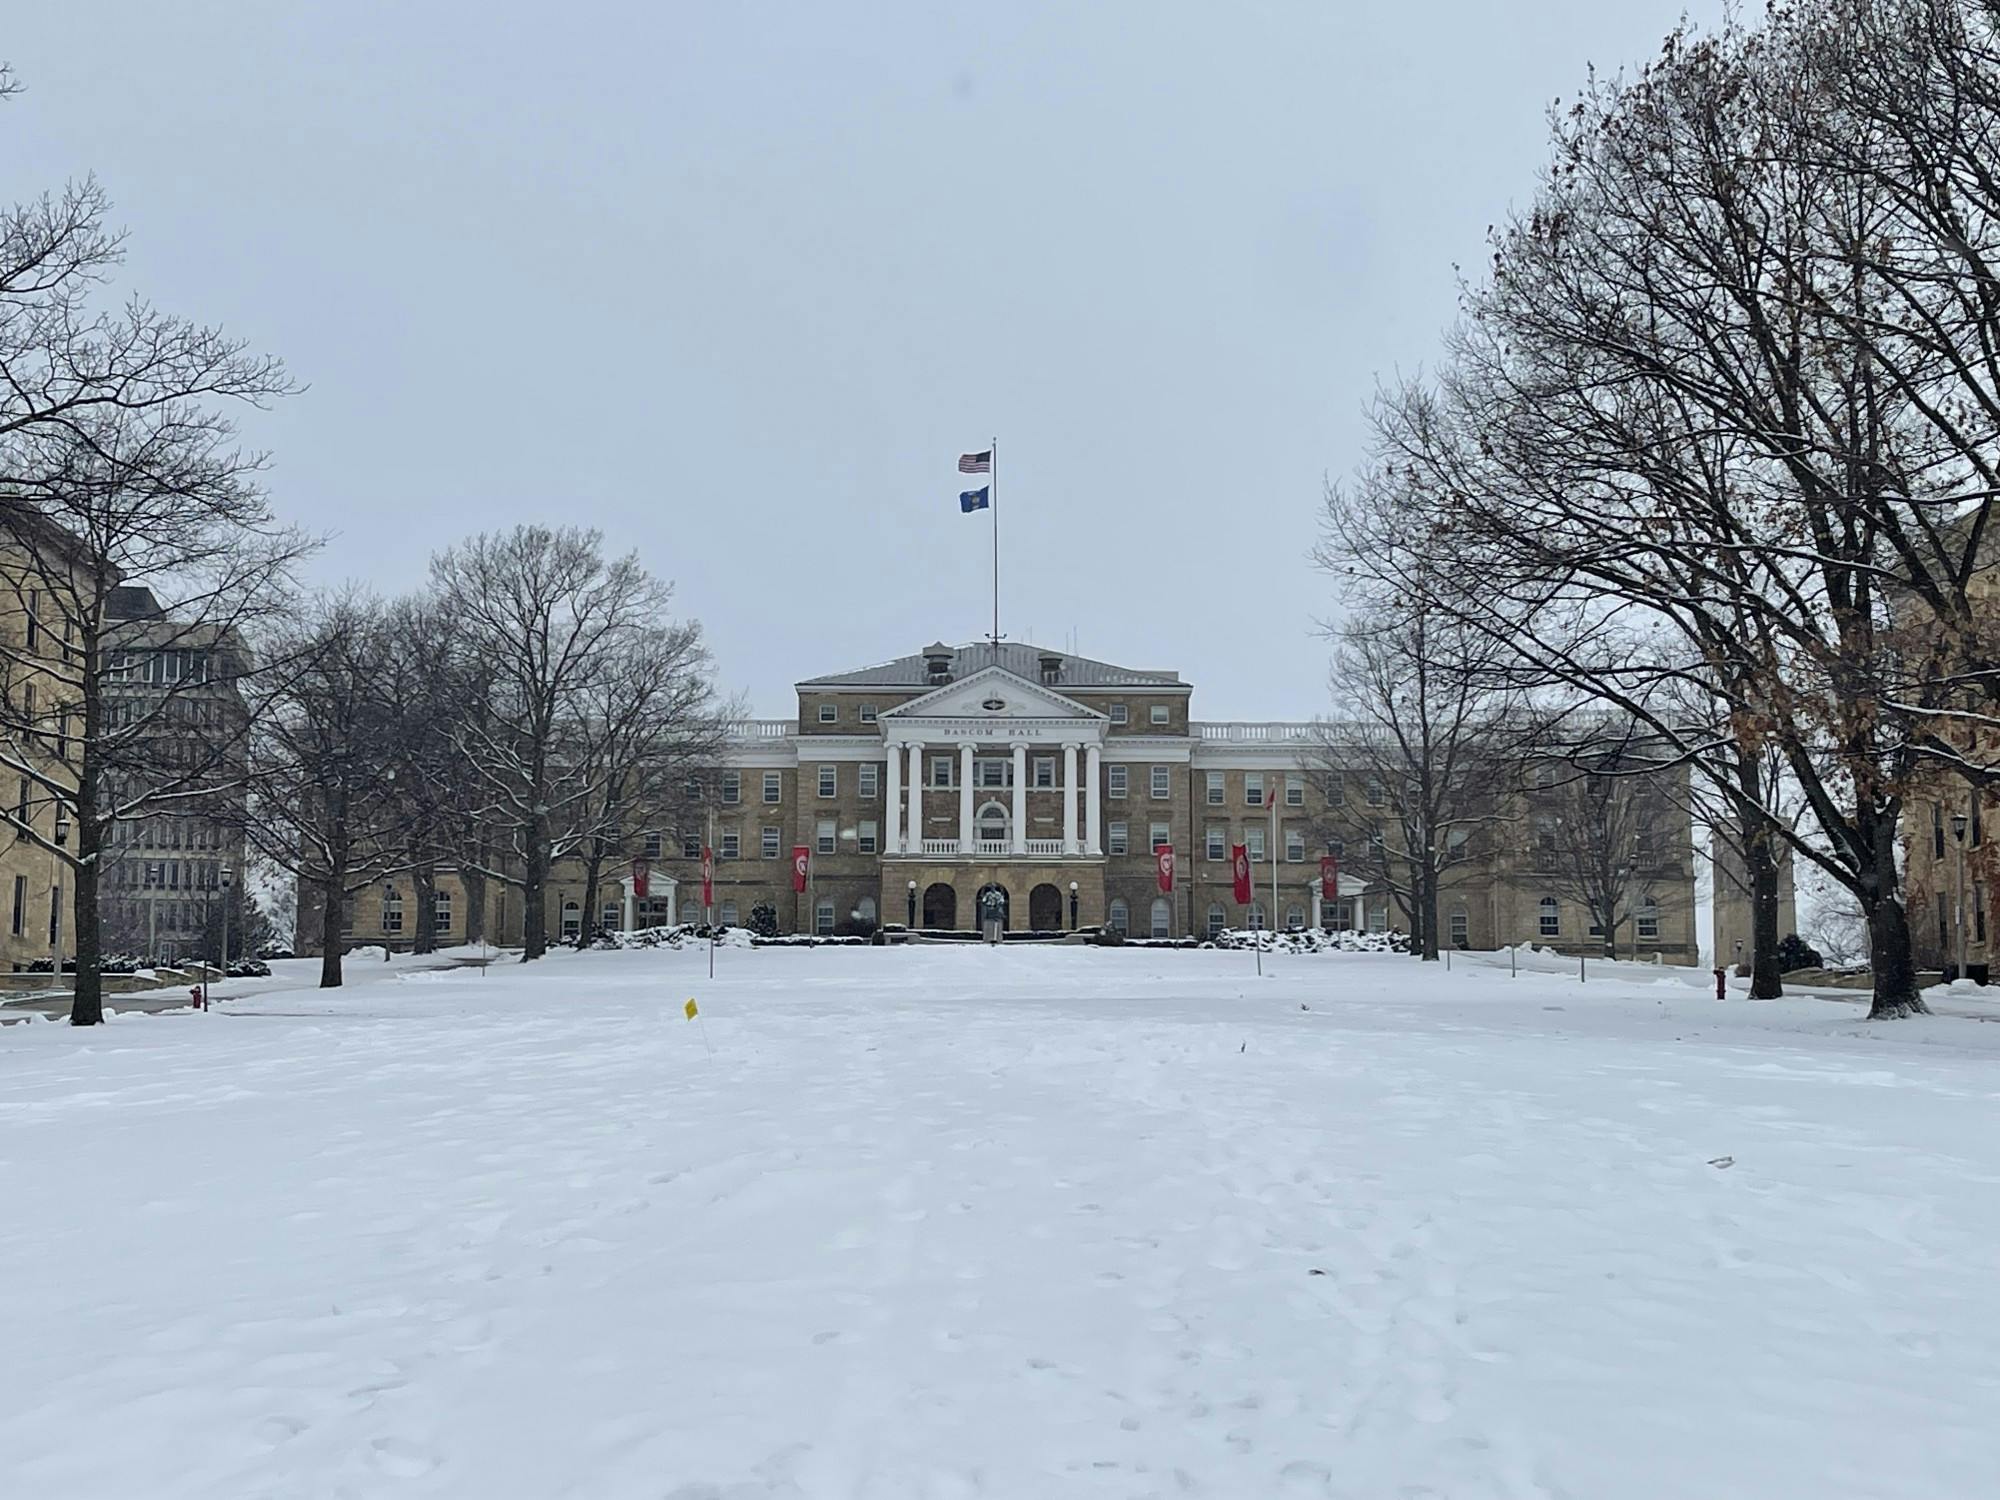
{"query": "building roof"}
pixel 1018 657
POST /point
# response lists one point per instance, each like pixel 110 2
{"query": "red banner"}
pixel 641 873
pixel 801 862
pixel 1329 878
pixel 1239 864
pixel 1163 856
pixel 707 877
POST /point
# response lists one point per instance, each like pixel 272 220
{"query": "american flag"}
pixel 976 463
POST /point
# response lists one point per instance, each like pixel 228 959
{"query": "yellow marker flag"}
pixel 691 1010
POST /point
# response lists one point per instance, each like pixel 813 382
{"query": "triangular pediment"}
pixel 997 694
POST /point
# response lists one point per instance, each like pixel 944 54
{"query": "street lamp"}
pixel 55 897
pixel 228 879
pixel 1072 906
pixel 912 923
pixel 1959 823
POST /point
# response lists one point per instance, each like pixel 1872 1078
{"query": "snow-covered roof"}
pixel 1018 657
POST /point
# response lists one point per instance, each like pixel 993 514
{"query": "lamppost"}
pixel 912 923
pixel 55 897
pixel 228 879
pixel 152 912
pixel 1959 822
pixel 1072 906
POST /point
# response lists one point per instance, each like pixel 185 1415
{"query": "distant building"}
pixel 177 686
pixel 918 785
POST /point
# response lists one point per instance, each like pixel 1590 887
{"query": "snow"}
pixel 1037 1221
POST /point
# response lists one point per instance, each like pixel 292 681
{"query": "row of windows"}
pixel 1645 920
pixel 391 918
pixel 167 874
pixel 996 772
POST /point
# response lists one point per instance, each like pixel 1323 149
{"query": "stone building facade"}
pixel 919 784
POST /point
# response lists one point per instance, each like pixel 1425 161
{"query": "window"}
pixel 868 837
pixel 693 789
pixel 55 917
pixel 774 786
pixel 829 713
pixel 572 920
pixel 732 786
pixel 346 912
pixel 825 836
pixel 1944 926
pixel 1295 844
pixel 991 824
pixel 1378 919
pixel 609 917
pixel 441 911
pixel 1295 919
pixel 1253 789
pixel 728 914
pixel 1646 921
pixel 1215 789
pixel 732 843
pixel 392 909
pixel 1163 917
pixel 651 846
pixel 943 772
pixel 1217 920
pixel 867 713
pixel 1336 794
pixel 1120 919
pixel 1978 822
pixel 1545 834
pixel 1118 713
pixel 767 842
pixel 1253 840
pixel 690 846
pixel 823 918
pixel 1551 917
pixel 1117 836
pixel 1377 793
pixel 1596 928
pixel 34 614
pixel 1114 780
pixel 829 780
pixel 1157 713
pixel 1295 792
pixel 1045 771
pixel 871 778
pixel 20 903
pixel 1158 834
pixel 1162 784
pixel 993 773
pixel 1215 840
pixel 1461 927
pixel 1979 913
pixel 1253 915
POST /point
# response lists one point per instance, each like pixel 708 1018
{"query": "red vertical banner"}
pixel 707 877
pixel 1239 863
pixel 1163 857
pixel 641 875
pixel 1329 878
pixel 801 863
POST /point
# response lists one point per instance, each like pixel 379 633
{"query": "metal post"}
pixel 1959 822
pixel 227 884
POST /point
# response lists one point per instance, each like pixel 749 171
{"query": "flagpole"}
pixel 1274 862
pixel 993 504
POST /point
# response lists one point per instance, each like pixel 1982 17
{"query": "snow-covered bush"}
pixel 1312 940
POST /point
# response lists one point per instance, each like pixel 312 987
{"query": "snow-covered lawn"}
pixel 1030 1223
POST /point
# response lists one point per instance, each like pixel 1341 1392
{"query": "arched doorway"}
pixel 1045 909
pixel 992 825
pixel 1006 905
pixel 940 907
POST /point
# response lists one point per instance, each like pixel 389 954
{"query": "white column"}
pixel 673 903
pixel 895 801
pixel 1069 799
pixel 916 830
pixel 630 917
pixel 1313 890
pixel 1020 796
pixel 1093 801
pixel 965 798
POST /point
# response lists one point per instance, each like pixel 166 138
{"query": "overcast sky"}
pixel 737 283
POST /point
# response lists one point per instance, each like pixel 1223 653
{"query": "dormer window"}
pixel 1052 666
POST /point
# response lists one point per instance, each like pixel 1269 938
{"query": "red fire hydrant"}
pixel 200 999
pixel 1720 994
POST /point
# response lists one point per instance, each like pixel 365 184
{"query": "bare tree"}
pixel 544 613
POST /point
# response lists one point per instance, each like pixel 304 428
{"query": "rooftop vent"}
pixel 1052 666
pixel 937 663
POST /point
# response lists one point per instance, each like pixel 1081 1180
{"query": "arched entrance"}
pixel 940 907
pixel 1006 905
pixel 1045 909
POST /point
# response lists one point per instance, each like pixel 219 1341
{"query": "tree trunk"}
pixel 1427 919
pixel 1766 983
pixel 87 1005
pixel 1892 963
pixel 333 898
pixel 423 938
pixel 475 904
pixel 534 893
pixel 593 872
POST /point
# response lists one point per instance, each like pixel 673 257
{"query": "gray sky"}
pixel 737 283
